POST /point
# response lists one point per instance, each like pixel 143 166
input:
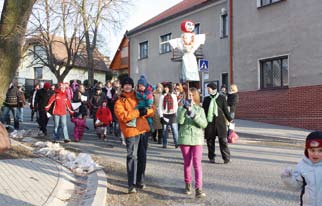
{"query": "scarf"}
pixel 213 108
pixel 168 101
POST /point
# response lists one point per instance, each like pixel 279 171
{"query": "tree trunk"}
pixel 13 23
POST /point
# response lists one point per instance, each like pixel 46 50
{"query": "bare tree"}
pixel 54 27
pixel 99 15
pixel 13 23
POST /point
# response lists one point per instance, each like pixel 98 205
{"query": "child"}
pixel 80 125
pixel 103 120
pixel 307 176
pixel 144 94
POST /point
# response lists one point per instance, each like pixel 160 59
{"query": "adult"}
pixel 233 100
pixel 32 102
pixel 109 92
pixel 215 106
pixel 41 102
pixel 223 91
pixel 193 120
pixel 21 103
pixel 96 101
pixel 168 107
pixel 11 105
pixel 81 96
pixel 156 121
pixel 136 138
pixel 61 104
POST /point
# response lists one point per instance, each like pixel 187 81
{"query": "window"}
pixel 261 3
pixel 164 45
pixel 223 23
pixel 38 72
pixel 197 28
pixel 39 51
pixel 143 50
pixel 274 72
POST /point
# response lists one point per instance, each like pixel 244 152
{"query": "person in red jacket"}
pixel 61 105
pixel 103 120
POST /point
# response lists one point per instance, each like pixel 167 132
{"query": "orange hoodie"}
pixel 125 110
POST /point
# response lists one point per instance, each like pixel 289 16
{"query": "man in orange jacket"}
pixel 136 138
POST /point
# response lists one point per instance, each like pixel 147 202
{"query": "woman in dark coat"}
pixel 233 100
pixel 216 110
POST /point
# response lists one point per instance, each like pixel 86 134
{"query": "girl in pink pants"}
pixel 192 120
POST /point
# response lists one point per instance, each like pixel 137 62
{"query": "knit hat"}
pixel 47 85
pixel 127 80
pixel 143 81
pixel 212 85
pixel 313 140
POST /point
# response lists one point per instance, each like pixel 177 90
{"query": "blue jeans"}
pixel 165 133
pixel 136 158
pixel 20 114
pixel 60 121
pixel 5 115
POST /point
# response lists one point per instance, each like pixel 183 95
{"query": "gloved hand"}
pixel 142 111
pixel 287 172
pixel 164 120
pixel 187 104
pixel 191 114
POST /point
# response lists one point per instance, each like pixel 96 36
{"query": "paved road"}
pixel 253 178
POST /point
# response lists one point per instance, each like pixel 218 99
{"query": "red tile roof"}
pixel 183 6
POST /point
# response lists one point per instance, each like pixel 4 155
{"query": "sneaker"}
pixel 66 141
pixel 188 189
pixel 199 193
pixel 227 161
pixel 54 141
pixel 141 186
pixel 123 142
pixel 132 190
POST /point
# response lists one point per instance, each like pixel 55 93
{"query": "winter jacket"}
pixel 125 110
pixel 41 100
pixel 80 125
pixel 218 126
pixel 12 97
pixel 311 174
pixel 61 103
pixel 191 130
pixel 232 101
pixel 104 115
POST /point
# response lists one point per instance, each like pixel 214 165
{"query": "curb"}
pixel 96 189
pixel 96 185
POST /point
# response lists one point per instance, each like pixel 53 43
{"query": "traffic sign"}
pixel 203 65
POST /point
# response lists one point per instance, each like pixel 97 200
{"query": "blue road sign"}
pixel 203 65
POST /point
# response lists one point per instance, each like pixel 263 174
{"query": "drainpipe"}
pixel 231 72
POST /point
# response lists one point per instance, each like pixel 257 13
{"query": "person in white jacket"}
pixel 307 176
pixel 168 107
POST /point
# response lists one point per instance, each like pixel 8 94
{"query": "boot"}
pixel 188 188
pixel 199 193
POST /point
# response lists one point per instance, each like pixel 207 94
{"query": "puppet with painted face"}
pixel 188 44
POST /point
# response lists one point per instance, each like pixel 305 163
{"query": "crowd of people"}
pixel 135 113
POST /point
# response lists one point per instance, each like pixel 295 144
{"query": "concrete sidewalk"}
pixel 41 181
pixel 271 131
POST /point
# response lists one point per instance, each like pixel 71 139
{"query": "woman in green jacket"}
pixel 192 120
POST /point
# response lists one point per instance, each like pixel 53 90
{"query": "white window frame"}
pixel 224 28
pixel 164 45
pixel 144 52
pixel 260 2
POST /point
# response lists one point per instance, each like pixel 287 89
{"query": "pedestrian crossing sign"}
pixel 203 65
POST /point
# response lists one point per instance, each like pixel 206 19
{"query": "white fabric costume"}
pixel 188 44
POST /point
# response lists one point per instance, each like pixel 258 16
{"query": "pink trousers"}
pixel 192 155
